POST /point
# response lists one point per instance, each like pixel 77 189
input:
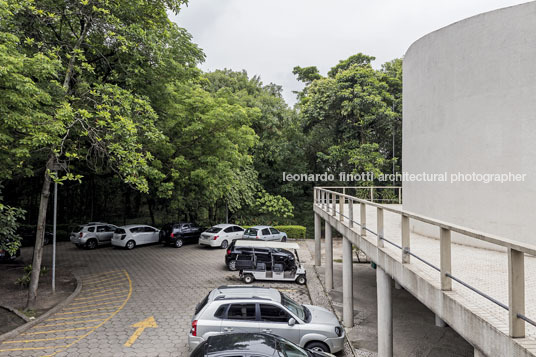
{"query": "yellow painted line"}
pixel 140 327
pixel 101 289
pixel 42 339
pixel 31 348
pixel 70 323
pixel 92 277
pixel 77 317
pixel 107 281
pixel 103 322
pixel 53 331
pixel 82 303
pixel 76 312
pixel 99 304
pixel 94 296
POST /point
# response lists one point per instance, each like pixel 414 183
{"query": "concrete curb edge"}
pixel 52 311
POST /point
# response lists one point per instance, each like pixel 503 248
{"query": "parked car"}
pixel 133 235
pixel 176 234
pixel 263 254
pixel 92 235
pixel 265 233
pixel 28 236
pixel 252 308
pixel 221 235
pixel 252 344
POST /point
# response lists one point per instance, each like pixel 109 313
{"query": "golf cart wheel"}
pixel 284 239
pixel 178 243
pixel 317 347
pixel 248 278
pixel 130 245
pixel 232 265
pixel 301 280
pixel 92 244
pixel 224 244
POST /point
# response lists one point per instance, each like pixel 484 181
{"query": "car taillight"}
pixel 194 328
pixel 172 235
pixel 216 237
pixel 228 251
pixel 81 234
pixel 257 237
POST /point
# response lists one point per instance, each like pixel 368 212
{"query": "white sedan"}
pixel 221 235
pixel 135 234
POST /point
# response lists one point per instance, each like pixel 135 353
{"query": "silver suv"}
pixel 256 309
pixel 92 235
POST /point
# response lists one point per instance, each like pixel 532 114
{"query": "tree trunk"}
pixel 39 237
pixel 151 213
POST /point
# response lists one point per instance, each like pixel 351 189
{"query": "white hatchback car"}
pixel 221 235
pixel 265 233
pixel 135 234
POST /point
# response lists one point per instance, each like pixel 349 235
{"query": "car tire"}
pixel 317 347
pixel 178 243
pixel 284 239
pixel 224 244
pixel 301 279
pixel 249 278
pixel 92 243
pixel 130 245
pixel 232 265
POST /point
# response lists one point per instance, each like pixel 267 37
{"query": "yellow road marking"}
pixel 82 303
pixel 114 289
pixel 70 323
pixel 141 326
pixel 31 348
pixel 108 280
pixel 103 288
pixel 51 331
pixel 94 296
pixel 101 275
pixel 77 317
pixel 99 304
pixel 103 322
pixel 42 339
pixel 76 312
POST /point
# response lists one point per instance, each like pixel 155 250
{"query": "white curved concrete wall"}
pixel 470 106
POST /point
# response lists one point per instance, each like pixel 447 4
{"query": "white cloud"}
pixel 270 37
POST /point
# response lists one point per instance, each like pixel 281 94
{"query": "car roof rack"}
pixel 241 287
pixel 223 297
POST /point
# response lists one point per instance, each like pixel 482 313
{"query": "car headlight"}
pixel 338 331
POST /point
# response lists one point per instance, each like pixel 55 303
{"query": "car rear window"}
pixel 119 231
pixel 201 305
pixel 79 229
pixel 251 232
pixel 213 230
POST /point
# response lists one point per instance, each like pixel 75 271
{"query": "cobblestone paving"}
pixel 121 288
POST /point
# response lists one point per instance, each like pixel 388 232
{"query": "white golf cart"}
pixel 278 261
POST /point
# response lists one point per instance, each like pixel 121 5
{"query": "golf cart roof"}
pixel 265 244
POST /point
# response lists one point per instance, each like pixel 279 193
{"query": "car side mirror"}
pixel 291 321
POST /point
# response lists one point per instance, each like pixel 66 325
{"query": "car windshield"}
pixel 213 230
pixel 293 306
pixel 291 350
pixel 251 232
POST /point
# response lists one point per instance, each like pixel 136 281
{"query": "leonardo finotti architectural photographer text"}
pixel 407 177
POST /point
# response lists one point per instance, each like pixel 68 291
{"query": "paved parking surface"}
pixel 154 288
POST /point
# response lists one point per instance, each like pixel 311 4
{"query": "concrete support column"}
pixel 385 314
pixel 347 283
pixel 318 242
pixel 329 258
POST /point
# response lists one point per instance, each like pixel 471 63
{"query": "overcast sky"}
pixel 270 37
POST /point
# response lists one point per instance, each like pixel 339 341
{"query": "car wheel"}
pixel 232 265
pixel 130 245
pixel 224 244
pixel 284 239
pixel 317 347
pixel 178 243
pixel 248 278
pixel 301 279
pixel 92 244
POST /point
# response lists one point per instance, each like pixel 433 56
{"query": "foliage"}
pixel 24 280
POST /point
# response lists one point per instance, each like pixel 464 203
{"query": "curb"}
pixel 52 311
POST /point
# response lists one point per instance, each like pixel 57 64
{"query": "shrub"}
pixel 24 281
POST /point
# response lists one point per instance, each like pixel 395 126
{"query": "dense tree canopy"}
pixel 106 98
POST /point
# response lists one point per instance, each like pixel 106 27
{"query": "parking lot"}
pixel 153 287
